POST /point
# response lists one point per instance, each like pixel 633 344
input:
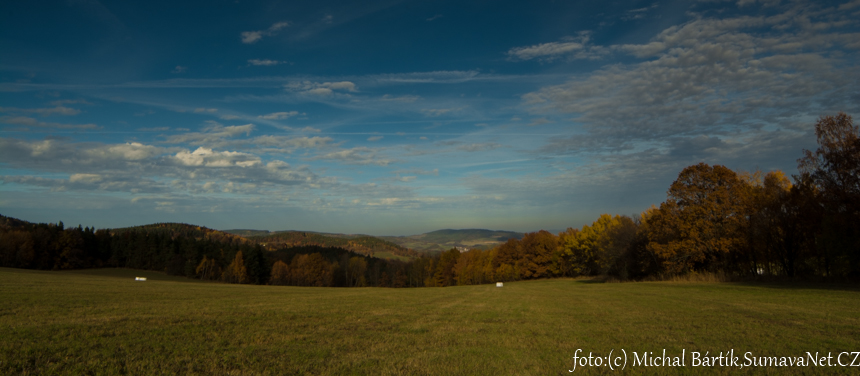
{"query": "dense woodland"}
pixel 714 220
pixel 362 244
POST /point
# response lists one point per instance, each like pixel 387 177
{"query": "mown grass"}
pixel 103 322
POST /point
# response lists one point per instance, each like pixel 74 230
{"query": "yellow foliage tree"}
pixel 588 249
pixel 236 272
pixel 208 269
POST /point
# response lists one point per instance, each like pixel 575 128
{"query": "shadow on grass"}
pixel 789 284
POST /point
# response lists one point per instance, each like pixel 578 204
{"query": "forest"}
pixel 714 220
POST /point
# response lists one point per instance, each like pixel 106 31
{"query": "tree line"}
pixel 714 220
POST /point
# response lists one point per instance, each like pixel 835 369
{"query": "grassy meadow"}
pixel 103 322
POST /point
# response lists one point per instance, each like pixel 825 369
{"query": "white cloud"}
pixel 58 110
pixel 279 115
pixel 433 112
pixel 321 88
pixel 374 138
pixel 358 155
pixel 133 151
pixel 437 77
pixel 264 62
pixel 209 158
pixel 145 169
pixel 213 134
pixel 711 76
pixel 85 178
pixel 400 98
pixel 284 143
pixel 539 121
pixel 320 91
pixel 573 48
pixel 30 122
pixel 249 37
pixel 479 146
pixel 179 69
pixel 205 110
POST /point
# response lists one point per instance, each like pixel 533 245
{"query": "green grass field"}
pixel 103 322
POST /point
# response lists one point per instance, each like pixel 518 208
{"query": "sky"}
pixel 402 117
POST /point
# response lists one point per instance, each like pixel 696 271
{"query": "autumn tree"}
pixel 702 220
pixel 311 270
pixel 356 270
pixel 616 245
pixel 593 249
pixel 772 248
pixel 444 275
pixel 834 169
pixel 208 269
pixel 474 267
pixel 506 263
pixel 280 273
pixel 538 249
pixel 236 272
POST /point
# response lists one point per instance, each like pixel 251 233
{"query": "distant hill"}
pixel 184 230
pixel 399 247
pixel 8 223
pixel 442 240
pixel 246 233
pixel 361 244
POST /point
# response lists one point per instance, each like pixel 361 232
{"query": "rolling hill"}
pixel 384 246
pixel 442 240
pixel 361 244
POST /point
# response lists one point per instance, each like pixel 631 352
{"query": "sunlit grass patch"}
pixel 104 322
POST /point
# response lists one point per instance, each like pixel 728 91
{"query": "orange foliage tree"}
pixel 702 221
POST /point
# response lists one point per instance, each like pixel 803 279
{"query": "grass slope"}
pixel 103 322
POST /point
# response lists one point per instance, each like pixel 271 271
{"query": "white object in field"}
pixel 498 284
pixel 140 278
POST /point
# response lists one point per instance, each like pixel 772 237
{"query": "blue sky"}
pixel 402 117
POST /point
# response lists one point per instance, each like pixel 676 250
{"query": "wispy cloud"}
pixel 321 88
pixel 706 77
pixel 31 122
pixel 434 112
pixel 58 110
pixel 279 115
pixel 577 48
pixel 358 155
pixel 400 98
pixel 249 37
pixel 265 62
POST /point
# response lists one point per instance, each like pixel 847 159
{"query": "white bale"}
pixel 140 278
pixel 498 284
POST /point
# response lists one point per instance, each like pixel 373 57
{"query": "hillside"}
pixel 246 233
pixel 184 230
pixel 442 240
pixel 361 244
